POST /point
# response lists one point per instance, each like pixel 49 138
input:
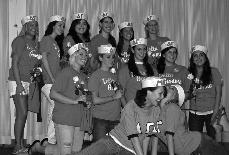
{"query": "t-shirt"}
pixel 65 84
pixel 154 49
pixel 28 53
pixel 130 82
pixel 171 121
pixel 100 82
pixel 49 45
pixel 176 74
pixel 135 120
pixel 206 96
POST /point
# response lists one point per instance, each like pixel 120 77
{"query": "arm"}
pixel 46 66
pixel 218 100
pixel 154 146
pixel 54 95
pixel 137 146
pixel 15 60
pixel 145 145
pixel 103 100
pixel 170 144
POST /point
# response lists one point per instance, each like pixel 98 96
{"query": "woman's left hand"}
pixel 88 103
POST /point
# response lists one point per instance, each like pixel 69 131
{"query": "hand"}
pixel 20 89
pixel 118 94
pixel 53 80
pixel 171 94
pixel 81 98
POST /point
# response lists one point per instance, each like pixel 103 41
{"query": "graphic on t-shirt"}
pixel 169 79
pixel 139 78
pixel 150 127
pixel 153 52
pixel 109 82
pixel 125 57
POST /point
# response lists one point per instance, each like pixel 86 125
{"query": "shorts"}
pixel 13 86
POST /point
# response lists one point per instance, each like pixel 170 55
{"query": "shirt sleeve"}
pixel 128 119
pixel 93 83
pixel 18 46
pixel 45 45
pixel 172 118
pixel 217 77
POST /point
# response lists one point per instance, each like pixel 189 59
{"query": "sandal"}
pixel 17 149
pixel 44 141
pixel 219 114
pixel 30 150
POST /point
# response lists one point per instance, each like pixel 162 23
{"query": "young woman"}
pixel 106 25
pixel 173 133
pixel 126 34
pixel 167 68
pixel 24 56
pixel 51 67
pixel 206 100
pixel 130 136
pixel 79 32
pixel 154 40
pixel 138 68
pixel 106 100
pixel 67 113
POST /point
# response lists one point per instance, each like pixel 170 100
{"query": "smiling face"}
pixel 107 60
pixel 199 58
pixel 32 28
pixel 81 27
pixel 58 28
pixel 127 33
pixel 107 24
pixel 81 57
pixel 170 55
pixel 155 96
pixel 140 52
pixel 152 27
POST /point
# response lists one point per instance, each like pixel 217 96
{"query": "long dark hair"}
pixel 140 98
pixel 111 39
pixel 206 76
pixel 59 38
pixel 161 61
pixel 133 67
pixel 74 35
pixel 119 48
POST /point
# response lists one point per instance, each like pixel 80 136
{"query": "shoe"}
pixel 44 142
pixel 30 149
pixel 17 150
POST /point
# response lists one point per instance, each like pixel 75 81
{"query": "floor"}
pixel 7 149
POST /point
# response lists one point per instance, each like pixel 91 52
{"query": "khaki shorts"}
pixel 13 86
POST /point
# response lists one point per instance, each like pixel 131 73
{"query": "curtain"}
pixel 188 22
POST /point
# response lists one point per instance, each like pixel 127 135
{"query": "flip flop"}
pixel 31 146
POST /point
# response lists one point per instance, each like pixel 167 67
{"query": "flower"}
pixel 197 81
pixel 39 57
pixel 68 44
pixel 112 70
pixel 190 77
pixel 75 79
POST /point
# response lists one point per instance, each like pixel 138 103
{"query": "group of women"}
pixel 136 88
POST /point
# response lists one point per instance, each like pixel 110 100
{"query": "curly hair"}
pixel 133 67
pixel 72 32
pixel 206 76
pixel 111 39
pixel 59 39
pixel 119 48
pixel 161 61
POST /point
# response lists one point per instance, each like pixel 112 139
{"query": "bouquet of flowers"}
pixel 116 86
pixel 36 73
pixel 80 87
pixel 194 86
